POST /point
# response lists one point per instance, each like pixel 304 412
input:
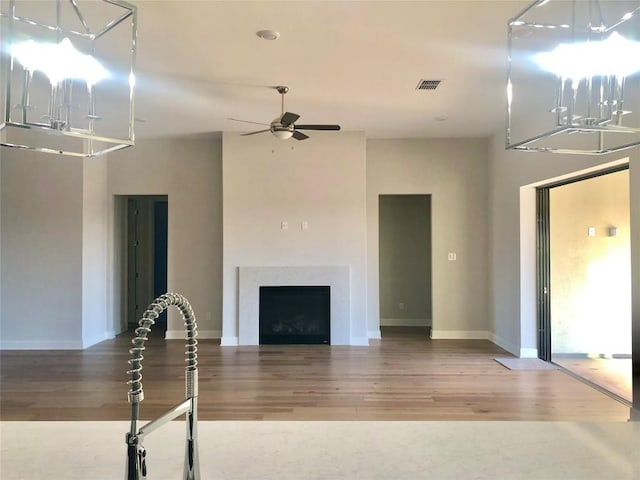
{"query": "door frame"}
pixel 543 269
pixel 123 256
pixel 429 220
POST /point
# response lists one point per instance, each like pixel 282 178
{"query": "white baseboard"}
pixel 374 334
pixel 202 334
pixel 405 322
pixel 112 334
pixel 513 348
pixel 106 335
pixel 459 335
pixel 228 341
pixel 360 341
pixel 528 353
pixel 41 345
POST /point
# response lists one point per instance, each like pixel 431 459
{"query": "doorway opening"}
pixel 405 264
pixel 144 231
pixel 584 279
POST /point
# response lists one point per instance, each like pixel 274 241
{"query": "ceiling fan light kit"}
pixel 283 134
pixel 283 127
pixel 574 77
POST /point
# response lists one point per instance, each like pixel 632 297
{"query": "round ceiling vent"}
pixel 268 34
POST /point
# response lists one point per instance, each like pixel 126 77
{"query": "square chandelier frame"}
pixel 595 115
pixel 69 116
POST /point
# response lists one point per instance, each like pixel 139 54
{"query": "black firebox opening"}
pixel 295 314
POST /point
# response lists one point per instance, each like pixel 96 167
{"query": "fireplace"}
pixel 250 279
pixel 294 314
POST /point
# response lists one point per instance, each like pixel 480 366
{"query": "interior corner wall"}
pixel 512 179
pixel 95 210
pixel 454 172
pixel 320 181
pixel 189 172
pixel 41 251
pixel 116 262
pixel 1 150
pixel 634 214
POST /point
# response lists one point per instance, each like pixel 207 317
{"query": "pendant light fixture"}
pixel 574 77
pixel 68 76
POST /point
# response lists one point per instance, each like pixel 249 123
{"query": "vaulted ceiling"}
pixel 355 63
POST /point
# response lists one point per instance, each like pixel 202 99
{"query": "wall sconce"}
pixel 574 77
pixel 68 76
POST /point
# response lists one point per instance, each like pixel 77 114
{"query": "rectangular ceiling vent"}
pixel 428 84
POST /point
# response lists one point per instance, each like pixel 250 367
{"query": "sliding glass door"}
pixel 584 279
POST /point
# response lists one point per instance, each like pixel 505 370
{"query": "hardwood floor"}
pixel 404 376
pixel 612 374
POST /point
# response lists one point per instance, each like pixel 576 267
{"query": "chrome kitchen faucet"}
pixel 136 466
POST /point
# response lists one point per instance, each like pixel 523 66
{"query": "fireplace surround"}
pixel 250 279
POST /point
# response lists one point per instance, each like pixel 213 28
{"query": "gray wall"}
pixel 454 173
pixel 634 213
pixel 405 260
pixel 96 321
pixel 320 181
pixel 41 251
pixel 42 227
pixel 512 180
pixel 61 268
pixel 189 172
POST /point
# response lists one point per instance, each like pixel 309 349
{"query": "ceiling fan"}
pixel 283 126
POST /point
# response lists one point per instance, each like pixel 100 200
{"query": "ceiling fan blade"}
pixel 288 118
pixel 247 121
pixel 299 135
pixel 253 133
pixel 317 127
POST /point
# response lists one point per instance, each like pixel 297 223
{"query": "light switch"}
pixel 284 225
pixel 591 231
pixel 304 225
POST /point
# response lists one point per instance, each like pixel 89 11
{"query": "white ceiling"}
pixel 355 63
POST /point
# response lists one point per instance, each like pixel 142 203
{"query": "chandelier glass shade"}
pixel 67 71
pixel 574 77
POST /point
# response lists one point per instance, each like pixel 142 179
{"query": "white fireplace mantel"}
pixel 252 278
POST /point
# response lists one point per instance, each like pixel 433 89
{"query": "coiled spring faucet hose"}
pixel 136 466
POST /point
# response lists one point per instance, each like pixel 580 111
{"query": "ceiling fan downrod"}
pixel 282 90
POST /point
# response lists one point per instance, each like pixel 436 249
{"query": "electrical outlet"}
pixel 452 257
pixel 401 306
